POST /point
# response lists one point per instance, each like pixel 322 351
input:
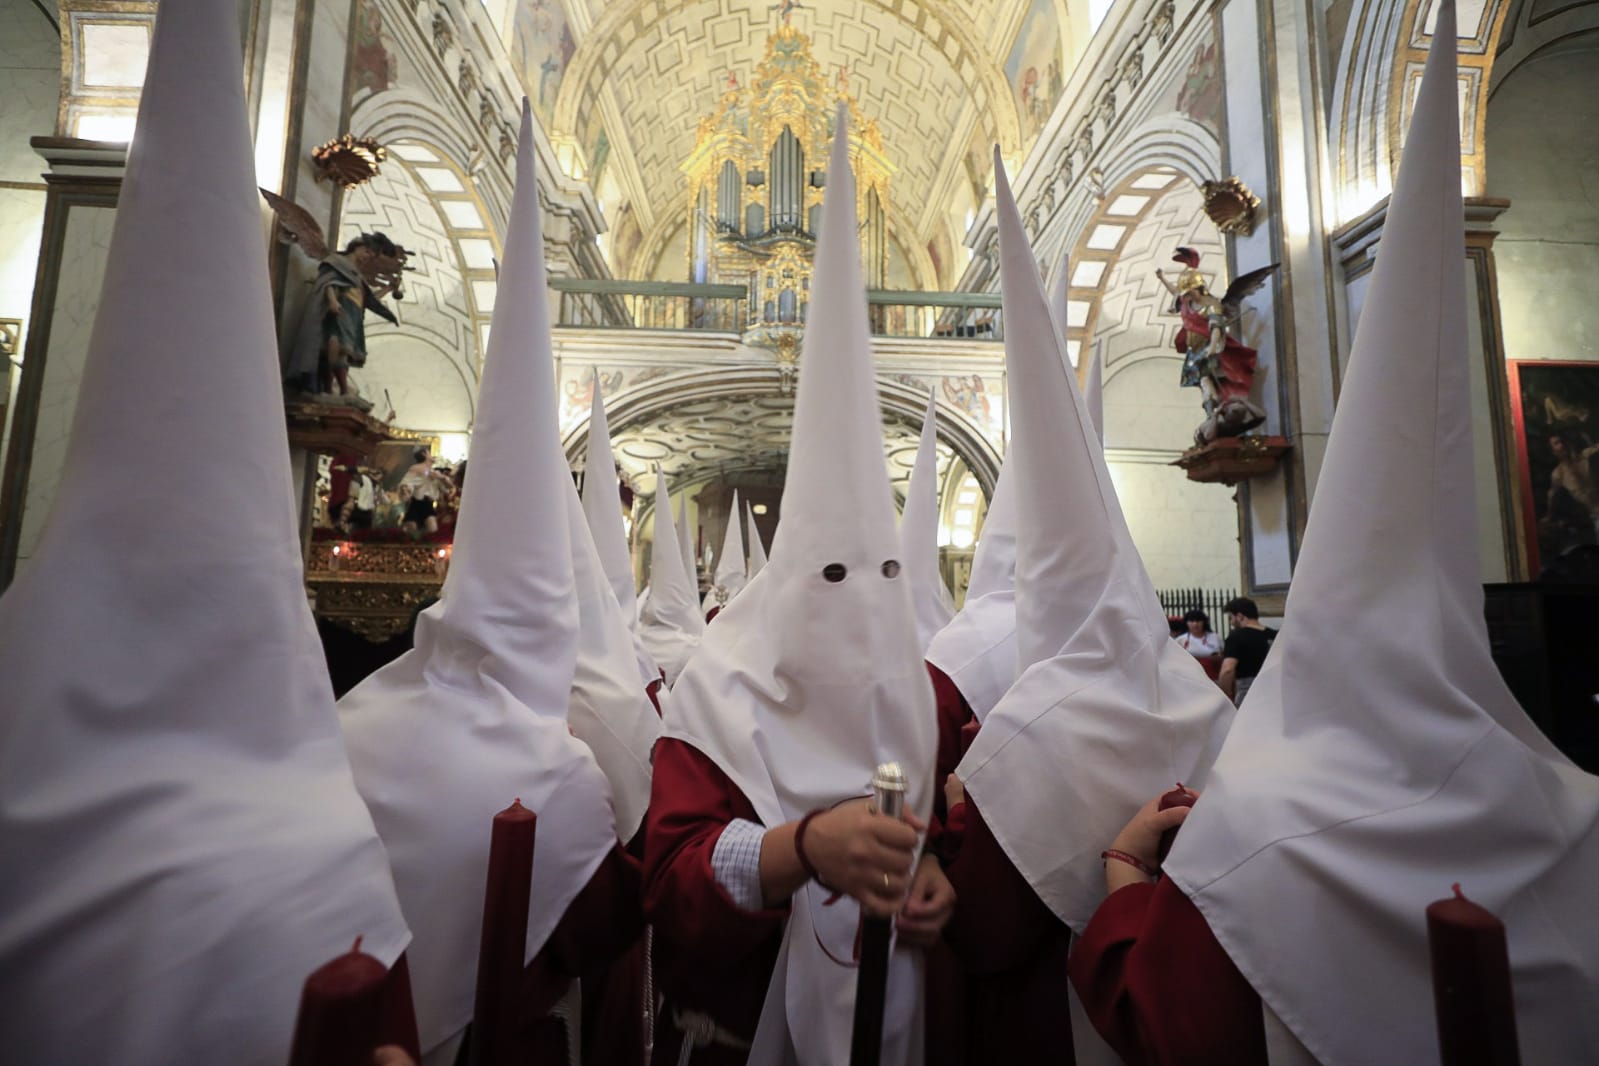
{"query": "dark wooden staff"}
pixel 871 980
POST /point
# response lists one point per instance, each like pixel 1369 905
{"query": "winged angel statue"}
pixel 331 335
pixel 1215 361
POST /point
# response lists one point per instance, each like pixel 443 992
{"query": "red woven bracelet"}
pixel 1121 856
pixel 799 846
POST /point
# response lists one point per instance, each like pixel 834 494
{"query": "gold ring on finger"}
pixel 885 881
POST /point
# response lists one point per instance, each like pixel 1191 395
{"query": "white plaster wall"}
pixel 1186 533
pixel 83 257
pixel 1543 156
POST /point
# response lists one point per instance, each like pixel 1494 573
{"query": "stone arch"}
pixel 1102 242
pixel 431 204
pixel 1384 49
pixel 898 400
pixel 599 52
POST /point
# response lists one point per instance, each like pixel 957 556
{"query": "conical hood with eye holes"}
pixel 603 508
pixel 1374 764
pixel 730 576
pixel 757 561
pixel 610 711
pixel 918 535
pixel 1094 394
pixel 685 544
pixel 671 623
pixel 814 676
pixel 977 649
pixel 475 715
pixel 1108 710
pixel 181 842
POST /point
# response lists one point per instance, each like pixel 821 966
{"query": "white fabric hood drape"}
pixel 671 623
pixel 757 561
pixel 918 535
pixel 730 576
pixel 476 714
pixel 1375 764
pixel 1109 711
pixel 1094 394
pixel 685 544
pixel 977 650
pixel 610 711
pixel 180 838
pixel 805 685
pixel 602 508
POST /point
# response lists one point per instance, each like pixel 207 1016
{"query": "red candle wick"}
pixel 356 947
pixel 1180 787
pixel 1458 894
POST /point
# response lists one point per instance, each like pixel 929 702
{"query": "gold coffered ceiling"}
pixel 943 78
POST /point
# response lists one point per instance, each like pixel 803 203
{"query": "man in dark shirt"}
pixel 1244 650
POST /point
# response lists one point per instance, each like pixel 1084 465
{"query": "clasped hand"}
pixel 869 857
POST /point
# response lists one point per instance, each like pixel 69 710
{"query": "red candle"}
pixel 1471 985
pixel 1177 797
pixel 341 1012
pixel 504 941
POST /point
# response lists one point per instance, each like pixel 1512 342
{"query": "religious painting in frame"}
pixel 1555 406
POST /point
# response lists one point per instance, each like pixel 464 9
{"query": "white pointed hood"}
pixel 977 650
pixel 181 840
pixel 816 676
pixel 671 623
pixel 1368 772
pixel 602 506
pixel 757 561
pixel 685 544
pixel 1109 710
pixel 730 577
pixel 918 535
pixel 1094 394
pixel 476 714
pixel 610 711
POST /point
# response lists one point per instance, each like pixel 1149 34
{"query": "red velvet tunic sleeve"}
pixel 710 955
pixel 1158 986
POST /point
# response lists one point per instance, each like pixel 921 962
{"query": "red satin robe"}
pixel 1012 950
pixel 1160 989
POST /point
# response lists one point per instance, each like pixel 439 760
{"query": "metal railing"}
pixel 606 304
pixel 670 305
pixel 1178 602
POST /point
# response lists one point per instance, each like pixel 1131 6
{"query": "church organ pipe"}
pixel 876 241
pixel 702 236
pixel 728 189
pixel 786 196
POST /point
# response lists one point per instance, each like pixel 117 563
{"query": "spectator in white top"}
pixel 1199 641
